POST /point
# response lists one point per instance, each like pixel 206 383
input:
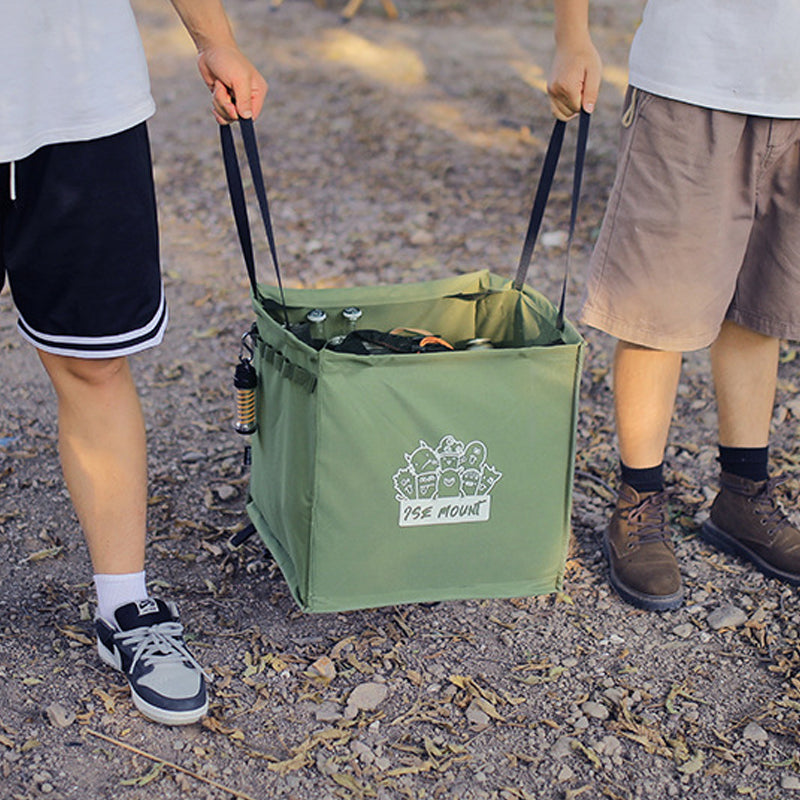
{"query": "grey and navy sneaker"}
pixel 146 643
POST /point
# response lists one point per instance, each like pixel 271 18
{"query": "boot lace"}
pixel 768 506
pixel 649 518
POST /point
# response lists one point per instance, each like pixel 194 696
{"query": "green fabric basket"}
pixel 387 479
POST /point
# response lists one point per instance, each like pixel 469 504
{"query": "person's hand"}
pixel 575 77
pixel 237 87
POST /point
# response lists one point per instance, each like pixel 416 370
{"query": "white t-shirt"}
pixel 72 70
pixel 733 55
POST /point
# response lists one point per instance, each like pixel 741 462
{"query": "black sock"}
pixel 650 479
pixel 745 462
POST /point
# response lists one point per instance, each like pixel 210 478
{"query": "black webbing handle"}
pixel 239 204
pixel 540 202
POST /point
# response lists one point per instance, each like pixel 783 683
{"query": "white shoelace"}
pixel 160 643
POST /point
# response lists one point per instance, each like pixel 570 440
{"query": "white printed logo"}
pixel 148 606
pixel 445 485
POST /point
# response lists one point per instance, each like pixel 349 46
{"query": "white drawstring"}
pixel 12 181
pixel 628 114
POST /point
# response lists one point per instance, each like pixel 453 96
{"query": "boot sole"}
pixel 648 602
pixel 729 544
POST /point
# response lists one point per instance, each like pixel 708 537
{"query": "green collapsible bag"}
pixel 404 477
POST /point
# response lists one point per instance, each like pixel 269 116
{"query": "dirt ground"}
pixel 395 151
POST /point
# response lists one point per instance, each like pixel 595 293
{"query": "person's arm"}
pixel 237 87
pixel 575 73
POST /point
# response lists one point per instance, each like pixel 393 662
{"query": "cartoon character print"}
pixel 489 478
pixel 405 484
pixel 474 455
pixel 453 469
pixel 449 451
pixel 470 480
pixel 449 484
pixel 423 459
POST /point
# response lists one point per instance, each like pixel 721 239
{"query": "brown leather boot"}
pixel 638 545
pixel 747 520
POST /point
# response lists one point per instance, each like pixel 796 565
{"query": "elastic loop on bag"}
pixel 286 369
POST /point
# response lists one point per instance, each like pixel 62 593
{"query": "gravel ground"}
pixel 395 151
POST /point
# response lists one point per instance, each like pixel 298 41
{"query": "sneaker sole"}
pixel 153 713
pixel 647 602
pixel 165 717
pixel 710 533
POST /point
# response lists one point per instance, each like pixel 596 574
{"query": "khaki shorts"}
pixel 702 225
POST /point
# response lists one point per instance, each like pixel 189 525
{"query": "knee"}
pixel 88 372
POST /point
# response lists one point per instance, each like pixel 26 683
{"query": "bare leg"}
pixel 745 368
pixel 102 444
pixel 645 384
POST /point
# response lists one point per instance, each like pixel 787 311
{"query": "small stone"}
pixel 365 697
pixel 422 238
pixel 726 616
pixel 615 694
pixel 224 491
pixel 328 712
pixel 363 752
pixel 326 765
pixel 58 716
pixel 683 631
pixel 554 238
pixel 791 782
pixel 324 668
pixel 609 746
pixel 595 710
pixel 477 716
pixel 755 733
pixel 565 774
pixel 562 747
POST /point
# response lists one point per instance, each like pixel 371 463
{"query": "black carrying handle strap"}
pixel 540 202
pixel 239 204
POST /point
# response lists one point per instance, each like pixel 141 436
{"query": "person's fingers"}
pixel 223 104
pixel 564 103
pixel 237 88
pixel 258 94
pixel 591 89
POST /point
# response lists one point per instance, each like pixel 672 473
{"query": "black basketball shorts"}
pixel 79 243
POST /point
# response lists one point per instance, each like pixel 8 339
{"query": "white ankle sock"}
pixel 114 591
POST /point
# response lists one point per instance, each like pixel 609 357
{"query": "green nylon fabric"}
pixel 386 479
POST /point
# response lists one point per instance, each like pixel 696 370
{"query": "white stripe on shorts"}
pixel 122 344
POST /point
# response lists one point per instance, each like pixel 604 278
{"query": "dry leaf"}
pixel 143 780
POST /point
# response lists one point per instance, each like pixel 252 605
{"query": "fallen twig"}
pixel 159 760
